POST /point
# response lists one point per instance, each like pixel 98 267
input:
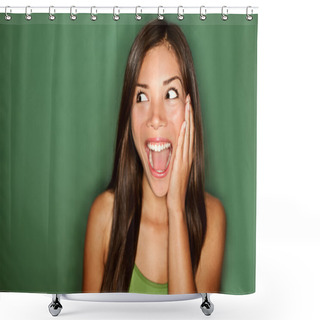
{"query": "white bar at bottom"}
pixel 129 297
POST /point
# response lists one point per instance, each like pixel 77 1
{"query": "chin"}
pixel 160 192
pixel 159 188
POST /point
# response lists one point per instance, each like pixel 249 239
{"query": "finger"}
pixel 191 135
pixel 187 131
pixel 181 139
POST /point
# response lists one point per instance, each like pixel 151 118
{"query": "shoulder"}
pixel 100 216
pixel 216 217
pixel 211 260
pixel 96 242
pixel 103 204
pixel 214 207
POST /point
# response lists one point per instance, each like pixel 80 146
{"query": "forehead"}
pixel 159 63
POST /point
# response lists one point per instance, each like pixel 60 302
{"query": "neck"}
pixel 154 208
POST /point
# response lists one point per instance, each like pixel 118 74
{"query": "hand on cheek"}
pixel 182 163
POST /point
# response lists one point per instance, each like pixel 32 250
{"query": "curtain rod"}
pixel 130 10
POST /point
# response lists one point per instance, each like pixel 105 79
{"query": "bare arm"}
pixel 96 243
pixel 209 271
pixel 208 276
pixel 180 278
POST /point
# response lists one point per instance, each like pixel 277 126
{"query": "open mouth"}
pixel 159 152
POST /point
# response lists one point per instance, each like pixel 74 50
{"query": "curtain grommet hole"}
pixel 249 16
pixel 224 13
pixel 6 14
pixel 52 11
pixel 138 16
pixel 203 13
pixel 160 15
pixel 116 16
pixel 180 13
pixel 93 16
pixel 28 13
pixel 73 15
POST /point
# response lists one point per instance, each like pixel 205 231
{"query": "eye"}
pixel 172 94
pixel 141 97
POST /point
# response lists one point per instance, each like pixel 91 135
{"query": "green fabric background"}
pixel 60 90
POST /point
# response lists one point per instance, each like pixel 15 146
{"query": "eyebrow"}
pixel 165 82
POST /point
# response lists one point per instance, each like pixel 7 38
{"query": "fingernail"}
pixel 184 124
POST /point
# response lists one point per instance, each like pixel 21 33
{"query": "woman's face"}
pixel 157 115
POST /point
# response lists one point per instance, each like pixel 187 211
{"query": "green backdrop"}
pixel 60 90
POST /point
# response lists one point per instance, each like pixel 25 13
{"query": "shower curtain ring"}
pixel 249 16
pixel 93 16
pixel 6 15
pixel 180 13
pixel 116 16
pixel 52 11
pixel 73 15
pixel 138 17
pixel 203 13
pixel 28 14
pixel 224 13
pixel 160 16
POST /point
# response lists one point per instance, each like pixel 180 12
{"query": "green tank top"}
pixel 140 284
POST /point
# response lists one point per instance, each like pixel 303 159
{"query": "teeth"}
pixel 150 159
pixel 168 159
pixel 159 147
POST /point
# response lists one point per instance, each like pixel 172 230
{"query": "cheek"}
pixel 134 127
pixel 138 116
pixel 137 120
pixel 177 116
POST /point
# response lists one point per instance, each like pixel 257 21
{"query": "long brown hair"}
pixel 126 180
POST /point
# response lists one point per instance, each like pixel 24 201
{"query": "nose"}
pixel 157 116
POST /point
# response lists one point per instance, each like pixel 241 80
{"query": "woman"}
pixel 155 230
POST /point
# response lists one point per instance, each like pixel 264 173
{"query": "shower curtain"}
pixel 60 92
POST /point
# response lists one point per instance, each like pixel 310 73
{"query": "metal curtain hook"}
pixel 180 13
pixel 93 16
pixel 116 16
pixel 73 15
pixel 160 16
pixel 28 14
pixel 203 13
pixel 249 16
pixel 6 15
pixel 52 11
pixel 224 13
pixel 138 17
